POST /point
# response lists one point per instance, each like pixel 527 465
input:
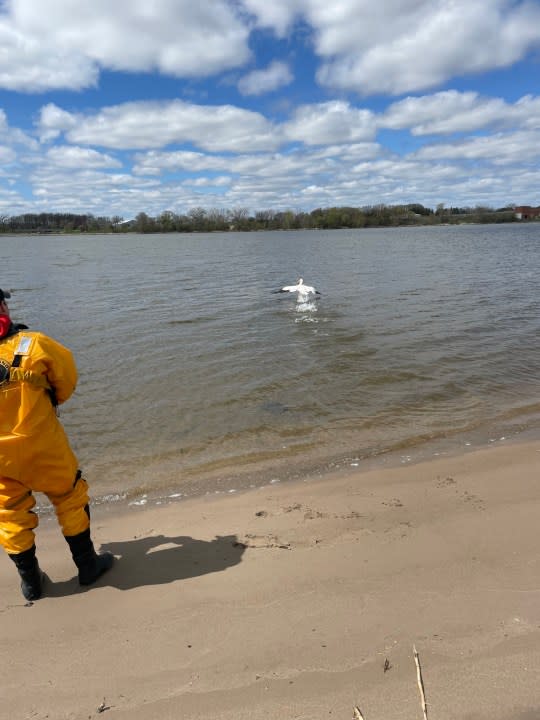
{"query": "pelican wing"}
pixel 299 288
pixel 291 288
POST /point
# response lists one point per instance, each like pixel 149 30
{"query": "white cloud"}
pixel 277 14
pixel 452 111
pixel 158 124
pixel 331 122
pixel 269 180
pixel 12 203
pixel 258 82
pixel 355 174
pixel 398 46
pixel 424 43
pixel 154 163
pixel 526 112
pixel 14 136
pixel 31 63
pixel 366 46
pixel 269 167
pixel 57 189
pixel 7 155
pixel 443 112
pixel 79 158
pixel 67 42
pixel 219 181
pixel 3 122
pixel 519 148
pixel 352 151
pixel 53 121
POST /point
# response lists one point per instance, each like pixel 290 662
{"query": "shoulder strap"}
pixel 17 374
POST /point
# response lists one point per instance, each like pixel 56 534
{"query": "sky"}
pixel 116 108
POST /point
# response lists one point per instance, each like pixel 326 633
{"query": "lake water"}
pixel 195 378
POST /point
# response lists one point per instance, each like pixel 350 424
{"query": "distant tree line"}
pixel 57 223
pixel 202 220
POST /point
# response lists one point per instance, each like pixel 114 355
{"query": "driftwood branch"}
pixel 420 683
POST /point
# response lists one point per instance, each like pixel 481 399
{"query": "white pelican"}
pixel 304 292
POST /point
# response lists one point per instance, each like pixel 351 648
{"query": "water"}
pixel 194 377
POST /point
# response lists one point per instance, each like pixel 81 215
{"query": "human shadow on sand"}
pixel 159 559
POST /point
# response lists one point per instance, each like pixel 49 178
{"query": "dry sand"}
pixel 291 600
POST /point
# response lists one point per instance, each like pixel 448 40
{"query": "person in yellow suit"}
pixel 36 375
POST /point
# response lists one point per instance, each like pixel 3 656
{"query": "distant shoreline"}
pixel 253 230
pixel 241 220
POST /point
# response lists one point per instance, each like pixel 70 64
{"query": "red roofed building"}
pixel 525 212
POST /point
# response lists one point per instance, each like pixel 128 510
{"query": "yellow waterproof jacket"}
pixel 42 365
pixel 36 372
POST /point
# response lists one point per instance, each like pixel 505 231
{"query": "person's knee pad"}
pixel 72 508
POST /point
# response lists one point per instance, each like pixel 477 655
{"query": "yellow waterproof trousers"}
pixel 49 468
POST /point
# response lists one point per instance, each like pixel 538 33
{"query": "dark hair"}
pixel 4 295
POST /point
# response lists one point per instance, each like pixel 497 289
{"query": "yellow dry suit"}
pixel 36 374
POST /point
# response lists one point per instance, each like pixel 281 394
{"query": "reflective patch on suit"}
pixel 23 348
pixel 5 367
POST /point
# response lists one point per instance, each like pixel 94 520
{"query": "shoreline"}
pixel 289 601
pixel 258 475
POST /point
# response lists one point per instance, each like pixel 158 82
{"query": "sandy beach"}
pixel 299 600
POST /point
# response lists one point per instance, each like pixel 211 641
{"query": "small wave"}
pixel 520 411
pixel 388 378
pixel 26 289
pixel 191 321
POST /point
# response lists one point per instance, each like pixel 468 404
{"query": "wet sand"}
pixel 298 600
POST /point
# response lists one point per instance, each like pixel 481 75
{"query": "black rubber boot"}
pixel 90 565
pixel 31 575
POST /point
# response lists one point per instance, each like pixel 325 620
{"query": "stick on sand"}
pixel 357 714
pixel 420 683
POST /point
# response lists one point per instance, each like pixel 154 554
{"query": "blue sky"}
pixel 113 108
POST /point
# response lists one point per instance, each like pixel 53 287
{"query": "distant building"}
pixel 525 212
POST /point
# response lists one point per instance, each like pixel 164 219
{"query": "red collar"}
pixel 5 324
